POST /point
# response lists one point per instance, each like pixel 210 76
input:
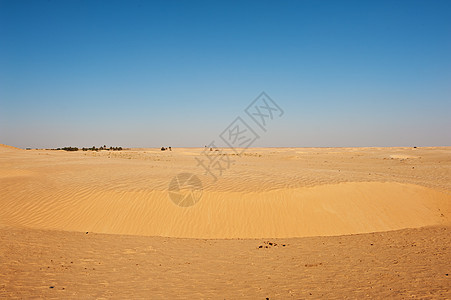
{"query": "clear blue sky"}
pixel 176 73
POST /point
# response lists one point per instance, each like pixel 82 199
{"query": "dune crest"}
pixel 264 194
pixel 326 210
pixel 4 147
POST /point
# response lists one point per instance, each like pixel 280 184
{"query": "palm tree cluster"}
pixel 68 148
pixel 104 147
pixel 93 148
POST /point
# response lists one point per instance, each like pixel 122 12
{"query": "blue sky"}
pixel 176 73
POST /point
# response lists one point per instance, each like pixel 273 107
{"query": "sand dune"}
pixel 100 193
pixel 279 223
pixel 4 147
pixel 336 209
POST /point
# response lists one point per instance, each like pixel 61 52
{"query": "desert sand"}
pixel 279 223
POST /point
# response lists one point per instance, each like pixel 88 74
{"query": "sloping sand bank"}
pixel 334 209
pixel 4 147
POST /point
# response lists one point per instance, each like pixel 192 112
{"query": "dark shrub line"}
pixel 93 148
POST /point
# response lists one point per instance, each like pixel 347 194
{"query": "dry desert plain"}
pixel 280 223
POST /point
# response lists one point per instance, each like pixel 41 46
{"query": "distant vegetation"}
pixel 93 148
pixel 69 149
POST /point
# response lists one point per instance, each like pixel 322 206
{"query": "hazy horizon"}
pixel 152 74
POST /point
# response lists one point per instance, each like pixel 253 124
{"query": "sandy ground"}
pixel 350 222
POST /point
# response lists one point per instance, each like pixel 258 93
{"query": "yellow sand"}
pixel 126 193
pixel 50 199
